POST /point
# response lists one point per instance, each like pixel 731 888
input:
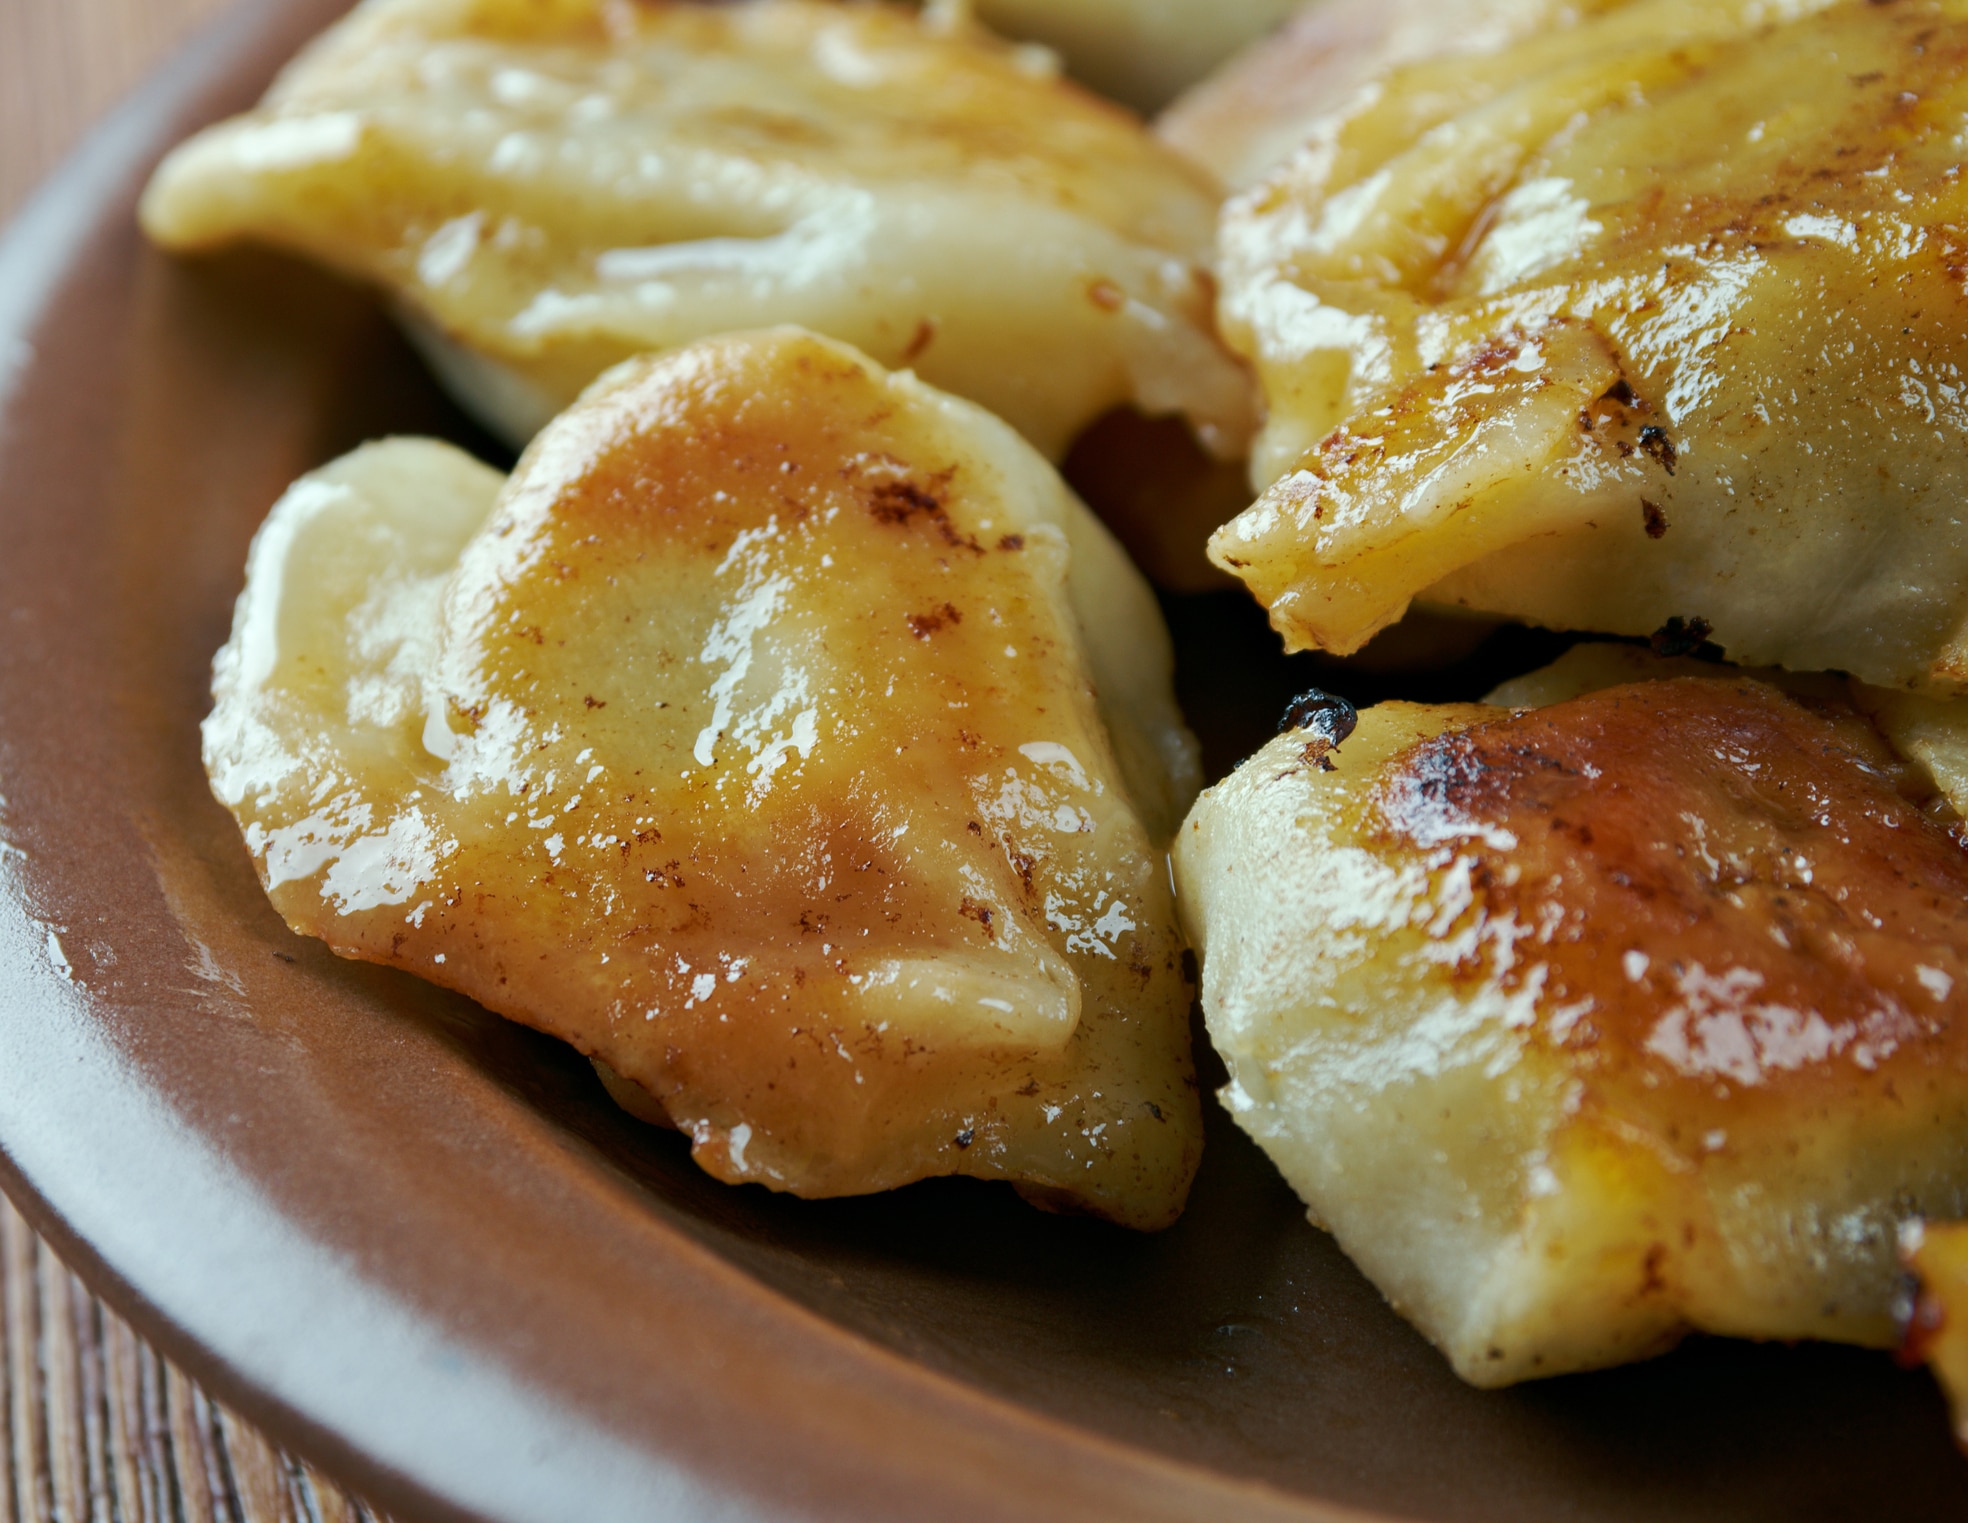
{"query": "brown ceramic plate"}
pixel 419 1245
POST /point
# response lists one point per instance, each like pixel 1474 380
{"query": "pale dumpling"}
pixel 1139 51
pixel 548 187
pixel 1587 1025
pixel 783 735
pixel 1652 314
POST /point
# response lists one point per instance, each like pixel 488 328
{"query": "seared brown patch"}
pixel 897 502
pixel 923 625
pixel 907 501
pixel 1709 882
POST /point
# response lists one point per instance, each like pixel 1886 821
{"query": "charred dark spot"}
pixel 1325 720
pixel 970 909
pixel 1652 516
pixel 923 625
pixel 1683 637
pixel 1191 970
pixel 1620 392
pixel 1654 440
pixel 1011 542
pixel 898 502
pixel 966 1137
pixel 902 503
pixel 595 703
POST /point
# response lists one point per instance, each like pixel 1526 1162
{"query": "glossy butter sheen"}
pixel 1587 1025
pixel 550 188
pixel 748 739
pixel 1655 311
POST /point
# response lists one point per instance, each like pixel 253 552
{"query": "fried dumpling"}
pixel 1249 116
pixel 548 187
pixel 783 735
pixel 1652 314
pixel 1141 53
pixel 1587 1025
pixel 1936 1255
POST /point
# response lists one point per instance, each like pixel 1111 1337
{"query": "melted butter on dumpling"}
pixel 1655 312
pixel 1587 1025
pixel 783 734
pixel 550 188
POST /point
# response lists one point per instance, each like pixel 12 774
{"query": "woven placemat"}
pixel 100 1429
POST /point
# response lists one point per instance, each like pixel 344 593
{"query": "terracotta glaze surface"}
pixel 419 1245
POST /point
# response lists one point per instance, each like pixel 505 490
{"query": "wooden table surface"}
pixel 94 1426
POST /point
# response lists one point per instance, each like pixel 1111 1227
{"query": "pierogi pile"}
pixel 785 733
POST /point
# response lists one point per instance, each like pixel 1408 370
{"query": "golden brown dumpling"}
pixel 783 735
pixel 1587 1025
pixel 550 186
pixel 1652 314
